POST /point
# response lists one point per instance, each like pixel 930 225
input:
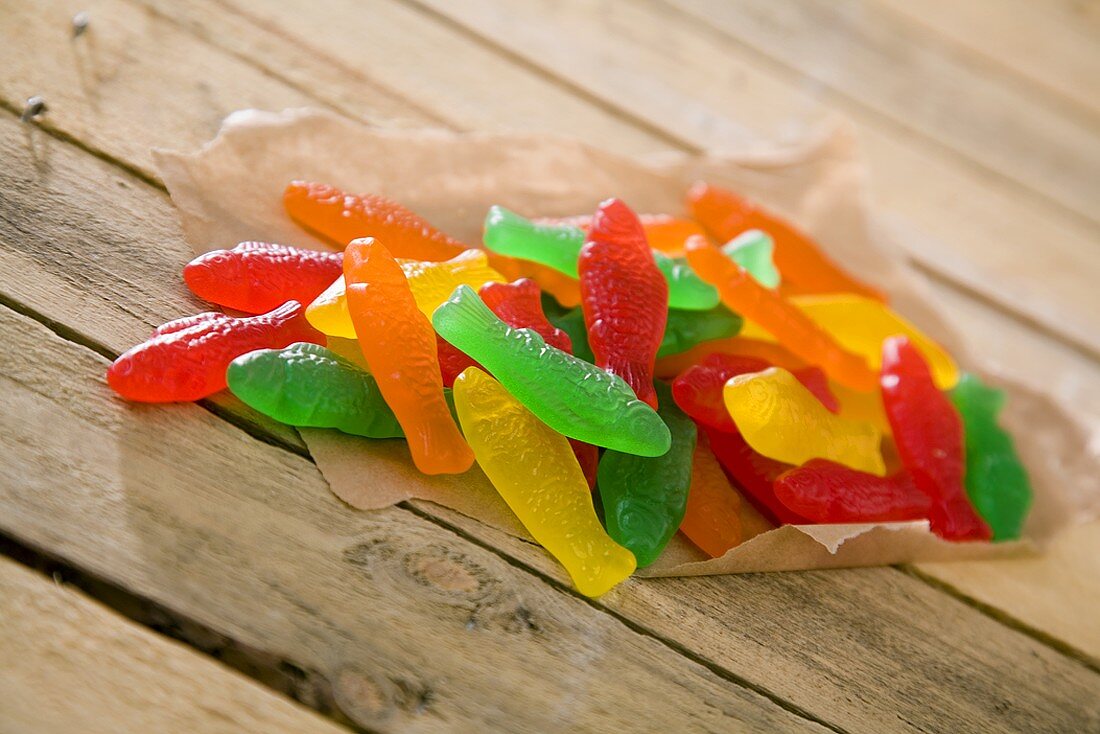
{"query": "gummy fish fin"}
pixel 464 308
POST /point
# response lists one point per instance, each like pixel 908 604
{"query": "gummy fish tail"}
pixel 464 312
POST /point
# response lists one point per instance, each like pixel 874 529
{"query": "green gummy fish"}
pixel 644 499
pixel 996 481
pixel 310 386
pixel 571 396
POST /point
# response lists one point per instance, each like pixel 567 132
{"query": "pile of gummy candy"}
pixel 617 377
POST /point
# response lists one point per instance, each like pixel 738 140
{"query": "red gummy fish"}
pixel 929 435
pixel 255 277
pixel 825 492
pixel 186 359
pixel 753 473
pixel 698 389
pixel 624 297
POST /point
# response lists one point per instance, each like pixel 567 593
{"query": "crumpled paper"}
pixel 231 191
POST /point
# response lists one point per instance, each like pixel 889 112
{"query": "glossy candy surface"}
pixel 860 325
pixel 644 498
pixel 929 437
pixel 699 389
pixel 535 472
pixel 570 395
pixel 825 492
pixel 726 215
pixel 255 277
pixel 623 296
pixel 186 359
pixel 996 481
pixel 517 304
pixel 553 245
pixel 782 420
pixel 753 473
pixel 431 283
pixel 754 250
pixel 686 290
pixel 340 217
pixel 558 246
pixel 685 329
pixel 769 351
pixel 792 328
pixel 399 346
pixel 712 520
pixel 309 385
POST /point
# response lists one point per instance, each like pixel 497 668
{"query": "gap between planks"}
pixel 261 433
pixel 652 590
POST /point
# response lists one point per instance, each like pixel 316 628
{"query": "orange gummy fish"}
pixel 398 344
pixel 726 214
pixel 791 327
pixel 340 217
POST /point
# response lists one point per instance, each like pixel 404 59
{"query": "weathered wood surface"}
pixel 729 623
pixel 71 665
pixel 792 637
pixel 1028 355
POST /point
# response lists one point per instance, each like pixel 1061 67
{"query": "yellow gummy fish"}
pixel 431 282
pixel 533 468
pixel 782 420
pixel 861 324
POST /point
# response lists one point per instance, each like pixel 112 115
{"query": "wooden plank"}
pixel 914 81
pixel 72 665
pixel 709 92
pixel 72 306
pixel 128 286
pixel 99 86
pixel 1052 44
pixel 191 555
pixel 415 628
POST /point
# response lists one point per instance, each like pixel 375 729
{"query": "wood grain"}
pixel 683 611
pixel 708 91
pixel 71 665
pixel 415 628
pixel 1051 44
pixel 67 212
pixel 878 61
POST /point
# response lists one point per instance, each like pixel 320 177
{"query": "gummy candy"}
pixel 558 246
pixel 534 470
pixel 826 492
pixel 517 304
pixel 726 214
pixel 698 390
pixel 186 359
pixel 309 385
pixel 685 329
pixel 399 346
pixel 255 277
pixel 794 330
pixel 644 498
pixel 770 352
pixel 571 321
pixel 552 245
pixel 588 456
pixel 752 473
pixel 753 250
pixel 431 283
pixel 860 324
pixel 782 420
pixel 929 437
pixel 664 232
pixel 624 297
pixel 996 481
pixel 339 218
pixel 571 396
pixel 712 520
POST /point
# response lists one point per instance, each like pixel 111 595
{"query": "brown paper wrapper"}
pixel 231 191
